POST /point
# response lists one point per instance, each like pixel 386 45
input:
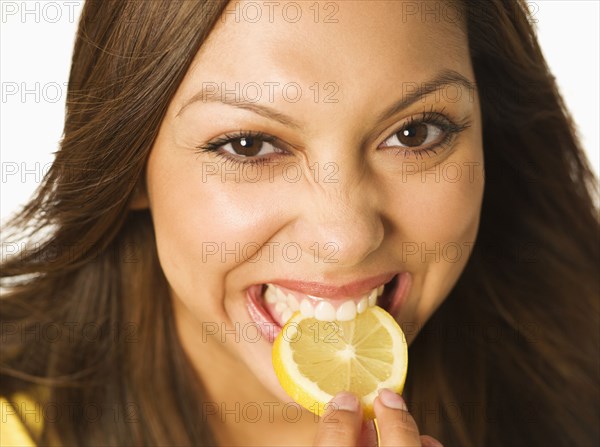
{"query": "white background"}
pixel 35 53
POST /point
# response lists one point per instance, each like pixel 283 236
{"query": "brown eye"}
pixel 250 146
pixel 247 146
pixel 415 135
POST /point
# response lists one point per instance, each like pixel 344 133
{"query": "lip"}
pixel 403 285
pixel 335 292
pixel 270 328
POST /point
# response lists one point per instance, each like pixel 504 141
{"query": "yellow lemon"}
pixel 314 360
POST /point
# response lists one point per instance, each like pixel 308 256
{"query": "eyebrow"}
pixel 443 79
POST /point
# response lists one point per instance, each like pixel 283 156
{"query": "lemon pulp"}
pixel 314 360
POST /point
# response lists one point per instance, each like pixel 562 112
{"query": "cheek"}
pixel 438 214
pixel 444 206
pixel 438 207
pixel 205 224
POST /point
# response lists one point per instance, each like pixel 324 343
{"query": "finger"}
pixel 395 424
pixel 341 423
pixel 429 441
pixel 368 435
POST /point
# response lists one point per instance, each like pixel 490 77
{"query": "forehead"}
pixel 363 45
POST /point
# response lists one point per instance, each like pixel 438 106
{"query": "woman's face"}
pixel 372 169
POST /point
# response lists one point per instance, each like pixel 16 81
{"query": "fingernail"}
pixel 391 399
pixel 345 401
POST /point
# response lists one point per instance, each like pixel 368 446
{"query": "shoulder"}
pixel 13 411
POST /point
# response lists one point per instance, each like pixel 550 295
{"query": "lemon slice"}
pixel 314 360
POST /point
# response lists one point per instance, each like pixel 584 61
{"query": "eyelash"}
pixel 449 127
pixel 214 146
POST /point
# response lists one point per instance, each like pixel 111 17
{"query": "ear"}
pixel 139 201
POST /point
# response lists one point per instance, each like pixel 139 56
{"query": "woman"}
pixel 203 137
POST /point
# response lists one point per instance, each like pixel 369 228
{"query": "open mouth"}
pixel 272 305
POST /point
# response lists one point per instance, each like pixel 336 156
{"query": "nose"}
pixel 340 222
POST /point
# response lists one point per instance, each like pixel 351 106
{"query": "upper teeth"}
pixel 285 304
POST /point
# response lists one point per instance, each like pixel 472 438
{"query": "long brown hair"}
pixel 509 358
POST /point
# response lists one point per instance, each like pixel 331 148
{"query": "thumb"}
pixel 341 424
pixel 395 425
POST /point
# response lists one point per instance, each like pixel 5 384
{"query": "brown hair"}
pixel 509 358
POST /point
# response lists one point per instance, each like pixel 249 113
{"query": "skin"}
pixel 380 206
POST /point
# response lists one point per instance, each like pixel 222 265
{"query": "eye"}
pixel 416 134
pixel 249 146
pixel 245 147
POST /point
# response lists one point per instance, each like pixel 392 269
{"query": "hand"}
pixel 342 424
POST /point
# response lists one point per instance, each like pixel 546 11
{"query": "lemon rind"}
pixel 308 394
